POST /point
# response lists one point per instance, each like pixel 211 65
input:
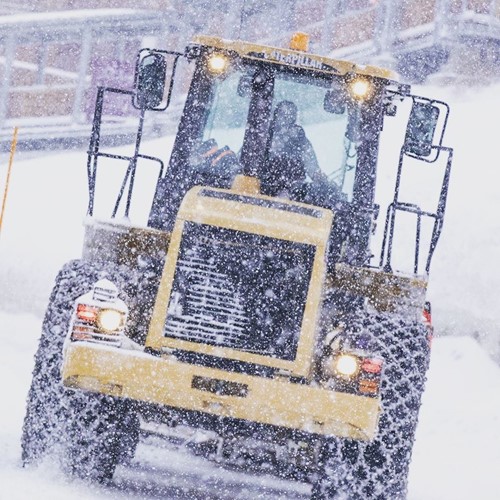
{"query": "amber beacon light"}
pixel 300 41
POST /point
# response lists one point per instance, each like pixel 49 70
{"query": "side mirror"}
pixel 245 86
pixel 335 101
pixel 150 83
pixel 421 127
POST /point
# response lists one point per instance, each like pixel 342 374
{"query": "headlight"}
pixel 217 64
pixel 99 316
pixel 109 320
pixel 346 365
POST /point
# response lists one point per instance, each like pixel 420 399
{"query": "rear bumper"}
pixel 168 382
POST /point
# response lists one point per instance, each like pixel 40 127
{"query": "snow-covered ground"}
pixel 456 455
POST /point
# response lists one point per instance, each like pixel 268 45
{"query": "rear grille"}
pixel 239 290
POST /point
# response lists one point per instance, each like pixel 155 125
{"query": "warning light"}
pixel 300 41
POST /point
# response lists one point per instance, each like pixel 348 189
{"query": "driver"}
pixel 291 159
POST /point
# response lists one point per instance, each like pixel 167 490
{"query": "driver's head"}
pixel 285 114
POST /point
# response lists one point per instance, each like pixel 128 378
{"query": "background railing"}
pixel 51 62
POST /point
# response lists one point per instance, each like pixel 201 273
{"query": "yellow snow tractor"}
pixel 251 305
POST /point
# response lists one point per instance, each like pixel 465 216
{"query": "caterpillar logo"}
pixel 302 60
pixel 293 59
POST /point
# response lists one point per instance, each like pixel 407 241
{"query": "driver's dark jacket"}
pixel 286 162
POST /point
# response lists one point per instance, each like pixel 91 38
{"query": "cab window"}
pixel 333 147
pixel 228 115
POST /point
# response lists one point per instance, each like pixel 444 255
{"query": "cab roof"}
pixel 293 58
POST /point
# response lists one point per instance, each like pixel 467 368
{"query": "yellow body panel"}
pixel 168 382
pixel 255 219
pixel 385 291
pixel 121 243
pixel 290 57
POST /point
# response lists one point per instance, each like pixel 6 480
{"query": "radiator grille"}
pixel 239 290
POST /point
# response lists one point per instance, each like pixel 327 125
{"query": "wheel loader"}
pixel 250 305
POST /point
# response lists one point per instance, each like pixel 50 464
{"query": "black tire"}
pixel 52 409
pixel 44 409
pixel 356 470
pixel 99 434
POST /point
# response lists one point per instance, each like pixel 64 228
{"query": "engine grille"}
pixel 239 290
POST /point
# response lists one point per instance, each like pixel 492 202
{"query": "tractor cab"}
pixel 294 126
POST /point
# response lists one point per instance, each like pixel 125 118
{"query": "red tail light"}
pixel 427 314
pixel 368 386
pixel 427 318
pixel 86 313
pixel 372 365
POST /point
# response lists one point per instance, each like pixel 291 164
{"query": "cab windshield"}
pixel 307 143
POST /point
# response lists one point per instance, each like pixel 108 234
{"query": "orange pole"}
pixel 11 159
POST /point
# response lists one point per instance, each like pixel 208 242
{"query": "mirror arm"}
pixel 171 83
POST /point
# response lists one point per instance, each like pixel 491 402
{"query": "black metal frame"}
pixel 397 205
pixel 140 56
pixel 95 139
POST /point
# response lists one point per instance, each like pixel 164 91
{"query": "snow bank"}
pixel 456 453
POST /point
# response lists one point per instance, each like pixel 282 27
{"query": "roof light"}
pixel 360 88
pixel 217 64
pixel 300 41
